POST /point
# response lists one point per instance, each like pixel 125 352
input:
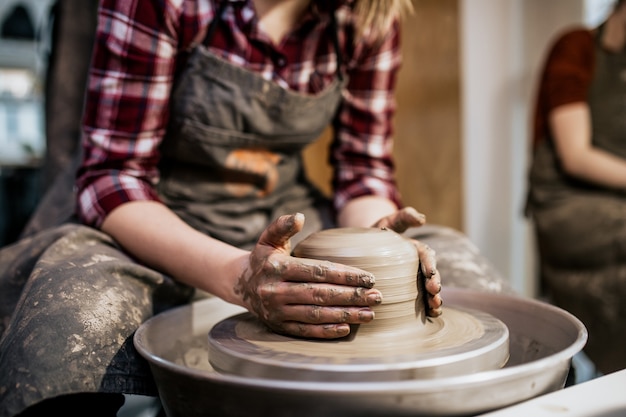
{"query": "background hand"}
pixel 303 297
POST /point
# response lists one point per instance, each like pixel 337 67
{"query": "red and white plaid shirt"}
pixel 142 44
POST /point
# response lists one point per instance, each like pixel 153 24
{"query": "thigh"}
pixel 72 328
pixel 459 261
pixel 16 264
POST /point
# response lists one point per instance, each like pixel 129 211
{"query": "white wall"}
pixel 503 43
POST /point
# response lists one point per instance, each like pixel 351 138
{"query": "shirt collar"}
pixel 317 9
pixel 321 6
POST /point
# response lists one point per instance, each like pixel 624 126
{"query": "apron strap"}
pixel 335 35
pixel 213 25
pixel 599 34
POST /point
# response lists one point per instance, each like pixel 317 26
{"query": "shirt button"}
pixel 281 62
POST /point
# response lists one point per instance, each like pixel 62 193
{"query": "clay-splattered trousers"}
pixel 70 301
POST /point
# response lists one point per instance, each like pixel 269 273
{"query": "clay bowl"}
pixel 543 340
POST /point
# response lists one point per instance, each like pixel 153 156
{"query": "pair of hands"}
pixel 320 299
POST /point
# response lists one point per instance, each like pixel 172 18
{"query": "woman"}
pixel 195 116
pixel 578 180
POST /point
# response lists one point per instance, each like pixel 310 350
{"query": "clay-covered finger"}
pixel 427 257
pixel 433 284
pixel 312 270
pixel 313 331
pixel 435 311
pixel 435 305
pixel 406 218
pixel 278 233
pixel 312 314
pixel 402 219
pixel 313 294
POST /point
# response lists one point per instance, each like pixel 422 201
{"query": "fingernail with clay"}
pixel 374 298
pixel 366 315
pixel 339 330
pixel 368 280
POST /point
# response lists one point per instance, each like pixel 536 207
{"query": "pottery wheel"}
pixel 400 343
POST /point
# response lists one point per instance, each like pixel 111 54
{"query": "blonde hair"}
pixel 377 15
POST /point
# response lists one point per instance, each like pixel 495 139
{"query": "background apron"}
pixel 581 227
pixel 71 299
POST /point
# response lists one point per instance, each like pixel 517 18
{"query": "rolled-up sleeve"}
pixel 363 145
pixel 565 78
pixel 569 70
pixel 126 106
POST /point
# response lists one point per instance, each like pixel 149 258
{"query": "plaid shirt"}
pixel 140 47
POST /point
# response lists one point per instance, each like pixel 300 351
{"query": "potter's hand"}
pixel 303 297
pixel 399 222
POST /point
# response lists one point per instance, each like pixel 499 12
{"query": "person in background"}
pixel 195 116
pixel 577 182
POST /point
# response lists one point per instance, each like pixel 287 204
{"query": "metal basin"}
pixel 543 340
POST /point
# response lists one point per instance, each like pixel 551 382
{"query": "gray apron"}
pixel 581 227
pixel 233 159
pixel 71 299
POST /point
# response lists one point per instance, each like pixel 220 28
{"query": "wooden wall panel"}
pixel 428 144
pixel 316 162
pixel 427 140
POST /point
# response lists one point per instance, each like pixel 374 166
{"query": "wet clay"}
pixel 390 257
pixel 400 343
